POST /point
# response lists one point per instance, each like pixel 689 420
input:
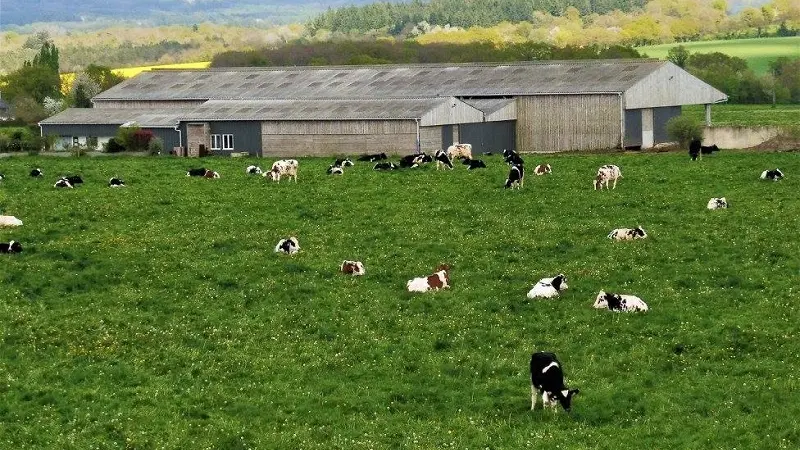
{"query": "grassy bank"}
pixel 157 316
pixel 747 115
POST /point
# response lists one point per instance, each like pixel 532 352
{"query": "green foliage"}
pixel 730 75
pixel 103 76
pixel 28 110
pixel 113 146
pixel 678 55
pixel 155 146
pixel 36 82
pixel 158 315
pixel 394 52
pixel 684 129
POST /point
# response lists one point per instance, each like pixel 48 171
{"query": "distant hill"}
pixel 18 13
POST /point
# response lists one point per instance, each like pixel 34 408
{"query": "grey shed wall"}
pixel 633 127
pixel 246 136
pixel 80 130
pixel 660 118
pixel 329 137
pixel 556 123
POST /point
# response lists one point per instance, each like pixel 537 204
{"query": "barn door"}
pixel 447 136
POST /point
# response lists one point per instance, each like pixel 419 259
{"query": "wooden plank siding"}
pixel 326 138
pixel 557 123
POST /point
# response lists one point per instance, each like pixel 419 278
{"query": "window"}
pixel 75 141
pixel 221 142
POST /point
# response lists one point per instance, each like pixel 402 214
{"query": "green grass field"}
pixel 725 114
pixel 757 52
pixel 158 316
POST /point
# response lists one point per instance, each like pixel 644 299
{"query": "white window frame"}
pixel 215 142
pixel 227 142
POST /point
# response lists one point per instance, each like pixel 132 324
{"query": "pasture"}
pixel 158 316
pixel 757 52
pixel 729 114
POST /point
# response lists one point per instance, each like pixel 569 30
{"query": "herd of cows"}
pixel 547 377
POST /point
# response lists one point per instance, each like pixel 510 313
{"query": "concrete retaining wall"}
pixel 738 137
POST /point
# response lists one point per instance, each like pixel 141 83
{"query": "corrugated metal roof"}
pixel 146 118
pixel 385 81
pixel 360 109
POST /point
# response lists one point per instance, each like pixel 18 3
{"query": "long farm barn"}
pixel 551 106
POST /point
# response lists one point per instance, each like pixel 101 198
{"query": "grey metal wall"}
pixel 660 118
pixel 633 127
pixel 555 123
pixel 169 136
pixel 246 136
pixel 327 138
pixel 489 136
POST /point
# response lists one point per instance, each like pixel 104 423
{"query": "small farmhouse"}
pixel 548 106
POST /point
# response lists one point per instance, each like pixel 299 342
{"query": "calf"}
pixel 36 172
pixel 547 380
pixel 619 302
pixel 512 157
pixel 199 172
pixel 116 183
pixel 282 167
pixel 354 268
pixel 459 150
pixel 548 287
pixel 288 246
pixel 542 169
pixel 343 162
pixel 707 150
pixel 443 160
pixel 211 174
pixel 474 164
pixel 696 149
pixel 253 170
pixel 627 234
pixel 439 280
pixel 773 175
pixel 605 175
pixel 10 221
pixel 74 179
pixel 373 157
pixel 63 183
pixel 10 247
pixel 413 161
pixel 516 176
pixel 334 170
pixel 2 177
pixel 385 166
pixel 717 203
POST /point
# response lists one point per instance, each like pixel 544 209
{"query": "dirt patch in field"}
pixel 779 143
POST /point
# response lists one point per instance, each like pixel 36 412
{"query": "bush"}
pixel 113 146
pixel 684 129
pixel 156 146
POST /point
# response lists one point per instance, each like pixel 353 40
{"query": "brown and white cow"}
pixel 438 280
pixel 459 150
pixel 354 268
pixel 627 234
pixel 542 169
pixel 282 167
pixel 605 175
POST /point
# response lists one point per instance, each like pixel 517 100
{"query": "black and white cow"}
pixel 443 160
pixel 2 177
pixel 116 183
pixel 385 166
pixel 253 170
pixel 288 246
pixel 774 175
pixel 547 380
pixel 415 160
pixel 619 302
pixel 74 179
pixel 512 157
pixel 63 183
pixel 627 234
pixel 335 170
pixel 516 176
pixel 199 172
pixel 343 162
pixel 473 163
pixel 717 203
pixel 37 172
pixel 373 157
pixel 548 287
pixel 10 247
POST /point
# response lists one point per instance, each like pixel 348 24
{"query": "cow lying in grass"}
pixel 717 203
pixel 354 268
pixel 10 221
pixel 253 170
pixel 10 247
pixel 37 172
pixel 547 380
pixel 288 246
pixel 415 160
pixel 373 157
pixel 542 169
pixel 619 302
pixel 283 167
pixel 385 166
pixel 473 163
pixel 438 280
pixel 548 287
pixel 116 183
pixel 774 175
pixel 605 175
pixel 627 234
